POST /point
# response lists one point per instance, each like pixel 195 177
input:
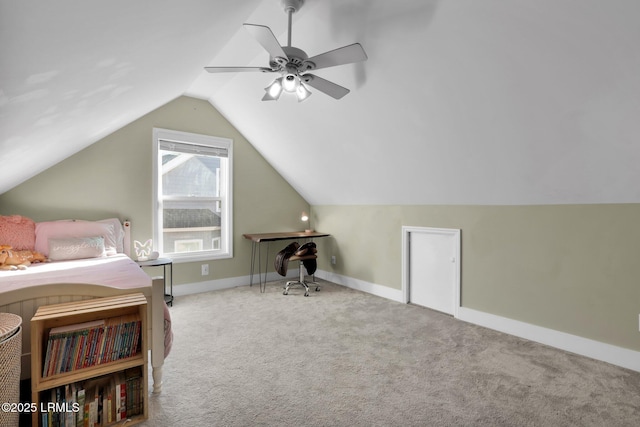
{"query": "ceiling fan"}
pixel 294 65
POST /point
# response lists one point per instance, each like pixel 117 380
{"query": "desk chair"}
pixel 306 257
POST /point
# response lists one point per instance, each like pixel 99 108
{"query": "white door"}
pixel 433 268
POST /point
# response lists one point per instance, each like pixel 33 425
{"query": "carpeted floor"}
pixel 345 358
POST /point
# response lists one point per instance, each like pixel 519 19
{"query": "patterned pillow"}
pixel 18 232
pixel 76 248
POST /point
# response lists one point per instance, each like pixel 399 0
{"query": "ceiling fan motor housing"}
pixel 295 62
pixel 296 56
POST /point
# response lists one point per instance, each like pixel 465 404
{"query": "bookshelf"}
pixel 86 353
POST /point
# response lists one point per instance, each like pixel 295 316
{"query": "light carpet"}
pixel 345 358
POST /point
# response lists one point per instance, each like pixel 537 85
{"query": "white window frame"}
pixel 226 193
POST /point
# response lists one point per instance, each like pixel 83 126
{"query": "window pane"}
pixel 190 226
pixel 190 175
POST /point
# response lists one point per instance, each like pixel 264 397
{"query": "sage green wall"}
pixel 571 268
pixel 113 178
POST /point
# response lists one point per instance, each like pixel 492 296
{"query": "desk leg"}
pixel 259 262
pixel 266 269
pixel 263 280
pixel 253 261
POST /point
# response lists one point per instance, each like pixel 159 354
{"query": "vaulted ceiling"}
pixel 460 101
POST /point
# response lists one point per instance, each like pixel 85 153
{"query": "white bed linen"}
pixel 116 271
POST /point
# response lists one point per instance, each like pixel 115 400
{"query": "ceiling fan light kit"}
pixel 294 65
pixel 274 90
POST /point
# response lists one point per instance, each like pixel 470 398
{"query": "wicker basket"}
pixel 10 353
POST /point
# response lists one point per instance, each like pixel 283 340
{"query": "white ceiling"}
pixel 461 101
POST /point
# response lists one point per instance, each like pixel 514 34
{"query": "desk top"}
pixel 287 235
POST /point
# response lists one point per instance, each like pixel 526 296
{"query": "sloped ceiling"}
pixel 460 101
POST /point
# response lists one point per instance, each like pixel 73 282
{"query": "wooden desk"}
pixel 257 238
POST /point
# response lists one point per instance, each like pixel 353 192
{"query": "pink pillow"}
pixel 18 232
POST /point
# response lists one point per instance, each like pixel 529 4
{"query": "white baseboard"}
pixel 618 356
pixel 361 285
pixel 232 282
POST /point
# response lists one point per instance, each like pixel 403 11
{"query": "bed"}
pixel 71 279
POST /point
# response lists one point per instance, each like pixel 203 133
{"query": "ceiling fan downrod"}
pixel 291 7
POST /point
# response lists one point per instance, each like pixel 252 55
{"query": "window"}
pixel 192 189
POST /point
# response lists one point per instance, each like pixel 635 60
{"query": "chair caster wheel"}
pixel 306 294
pixel 285 293
pixel 317 288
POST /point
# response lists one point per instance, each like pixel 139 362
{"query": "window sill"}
pixel 180 258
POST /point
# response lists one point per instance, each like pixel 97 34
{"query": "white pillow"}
pixel 70 228
pixel 76 248
pixel 119 232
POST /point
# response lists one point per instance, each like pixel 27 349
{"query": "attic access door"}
pixel 431 259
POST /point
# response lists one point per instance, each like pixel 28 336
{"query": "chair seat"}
pixel 302 258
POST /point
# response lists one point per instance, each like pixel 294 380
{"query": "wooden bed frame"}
pixel 25 302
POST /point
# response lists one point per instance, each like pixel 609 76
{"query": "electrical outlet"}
pixel 205 269
pixel 333 259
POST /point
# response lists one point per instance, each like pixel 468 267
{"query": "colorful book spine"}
pixel 71 348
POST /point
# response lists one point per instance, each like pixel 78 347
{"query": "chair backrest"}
pixel 281 262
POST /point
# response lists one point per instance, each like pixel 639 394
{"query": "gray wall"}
pixel 571 268
pixel 113 177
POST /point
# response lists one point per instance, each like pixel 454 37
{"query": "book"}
pixel 133 378
pixel 66 363
pixel 136 343
pixel 70 399
pixel 106 352
pixel 81 400
pixel 128 334
pixel 110 406
pixel 87 348
pixel 61 352
pixel 120 396
pixel 47 358
pixel 77 354
pixel 52 354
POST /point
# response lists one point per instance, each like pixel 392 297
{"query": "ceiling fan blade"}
pixel 325 86
pixel 237 69
pixel 265 37
pixel 343 55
